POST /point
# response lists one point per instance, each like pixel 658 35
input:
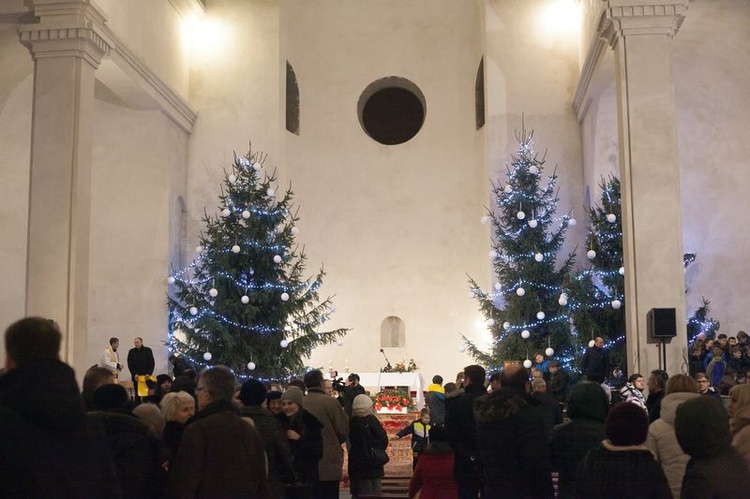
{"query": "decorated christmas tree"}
pixel 525 312
pixel 596 294
pixel 700 322
pixel 244 301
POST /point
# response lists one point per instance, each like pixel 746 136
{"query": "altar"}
pixel 377 380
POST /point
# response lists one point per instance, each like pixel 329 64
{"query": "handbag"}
pixel 373 456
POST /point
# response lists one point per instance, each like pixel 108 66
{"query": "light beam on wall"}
pixel 560 17
pixel 206 36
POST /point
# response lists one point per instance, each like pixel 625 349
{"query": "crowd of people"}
pixel 207 435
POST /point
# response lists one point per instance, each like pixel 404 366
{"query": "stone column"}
pixel 67 48
pixel 640 32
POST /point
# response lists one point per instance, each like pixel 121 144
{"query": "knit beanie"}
pixel 361 401
pixel 253 392
pixel 294 394
pixel 110 397
pixel 273 395
pixel 627 424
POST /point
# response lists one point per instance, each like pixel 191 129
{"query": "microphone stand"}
pixel 387 367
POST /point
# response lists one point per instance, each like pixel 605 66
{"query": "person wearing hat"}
pixel 279 455
pixel 304 434
pixel 621 466
pixel 365 433
pixel 273 402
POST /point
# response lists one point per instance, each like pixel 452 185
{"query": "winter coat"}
pixel 715 469
pixel 48 447
pixel 595 364
pixel 335 430
pixel 350 393
pixel 587 409
pixel 615 472
pixel 559 383
pixel 140 361
pixel 308 450
pixel 364 431
pixel 653 404
pixel 220 455
pixel 171 438
pixel 512 445
pixel 462 434
pixel 741 432
pixel 662 441
pixel 551 411
pixel 715 371
pixel 435 400
pixel 433 476
pixel 633 395
pixel 420 435
pixel 275 443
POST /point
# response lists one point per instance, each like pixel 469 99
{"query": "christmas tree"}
pixel 243 302
pixel 597 293
pixel 525 312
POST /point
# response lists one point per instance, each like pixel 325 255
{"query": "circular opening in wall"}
pixel 391 110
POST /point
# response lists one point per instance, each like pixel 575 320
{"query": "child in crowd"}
pixel 420 437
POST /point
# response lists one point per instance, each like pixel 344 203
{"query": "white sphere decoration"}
pixel 284 296
pixel 540 315
pixel 490 322
pixel 572 222
pixel 213 292
pixel 251 366
pixel 498 286
pixel 506 325
pixel 538 257
pixel 527 364
pixel 207 356
pixel 270 192
pixel 245 214
pixel 591 254
pixel 533 223
pixel 520 215
pixel 226 212
pixel 533 169
pixel 591 344
pixel 339 342
pixel 277 258
pixel 256 166
pixel 563 301
pixel 193 310
pixel 295 231
pixel 170 280
pixel 611 218
pixel 485 220
pixel 232 179
pixel 525 334
pixel 622 271
pixel 283 343
pixel 493 254
pixel 520 291
pixel 616 304
pixel 236 249
pixel 245 299
pixel 462 348
pixel 199 249
pixel 508 189
pixel 549 352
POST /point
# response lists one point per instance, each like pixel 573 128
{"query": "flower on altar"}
pixel 393 400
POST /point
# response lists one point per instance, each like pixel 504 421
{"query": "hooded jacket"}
pixel 587 409
pixel 741 432
pixel 715 469
pixel 662 441
pixel 48 447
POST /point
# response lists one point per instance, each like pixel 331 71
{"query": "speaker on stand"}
pixel 662 327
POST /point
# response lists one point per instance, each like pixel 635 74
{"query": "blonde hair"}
pixel 680 383
pixel 740 396
pixel 172 402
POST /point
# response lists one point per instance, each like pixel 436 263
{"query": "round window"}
pixel 391 110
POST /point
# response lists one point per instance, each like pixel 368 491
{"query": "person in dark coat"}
pixel 305 435
pixel 221 455
pixel 279 455
pixel 365 430
pixel 140 360
pixel 433 477
pixel 462 433
pixel 511 440
pixel 559 382
pixel 177 408
pixel 715 469
pixel 352 388
pixel 657 382
pixel 48 447
pixel 621 466
pixel 435 399
pixel 587 409
pixel 550 409
pixel 595 363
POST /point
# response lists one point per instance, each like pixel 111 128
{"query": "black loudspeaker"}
pixel 662 323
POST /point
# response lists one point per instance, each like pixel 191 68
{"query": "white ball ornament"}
pixel 616 304
pixel 170 280
pixel 284 296
pixel 549 352
pixel 520 215
pixel 213 292
pixel 236 249
pixel 277 258
pixel 498 286
pixel 527 364
pixel 232 179
pixel 339 342
pixel 591 254
pixel 256 166
pixel 533 169
pixel 591 344
pixel 251 366
pixel 485 220
pixel 245 299
pixel 622 271
pixel 226 212
pixel 199 249
pixel 462 348
pixel 508 189
pixel 611 218
pixel 295 231
pixel 572 222
pixel 207 356
pixel 540 315
pixel 283 343
pixel 520 291
pixel 563 301
pixel 538 257
pixel 193 310
pixel 533 224
pixel 490 322
pixel 525 334
pixel 270 192
pixel 506 325
pixel 245 214
pixel 493 254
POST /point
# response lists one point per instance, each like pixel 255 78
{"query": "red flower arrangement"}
pixel 394 400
